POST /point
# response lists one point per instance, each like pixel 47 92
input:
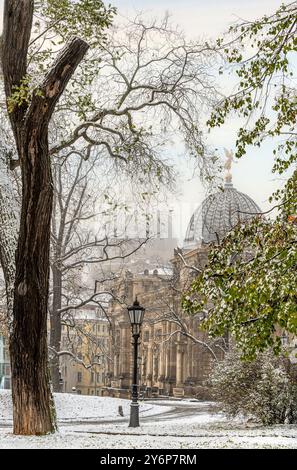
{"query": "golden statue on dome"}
pixel 229 159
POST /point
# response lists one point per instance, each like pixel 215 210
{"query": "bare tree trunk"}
pixel 33 407
pixel 28 345
pixel 55 327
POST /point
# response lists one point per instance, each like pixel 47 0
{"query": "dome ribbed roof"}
pixel 217 215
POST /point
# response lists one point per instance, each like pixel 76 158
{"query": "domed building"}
pixel 217 215
pixel 176 355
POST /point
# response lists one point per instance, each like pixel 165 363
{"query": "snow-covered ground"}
pixel 171 425
pixel 72 407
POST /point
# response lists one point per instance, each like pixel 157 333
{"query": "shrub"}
pixel 264 388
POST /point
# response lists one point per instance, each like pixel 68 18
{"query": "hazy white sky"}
pixel 209 18
pixel 197 17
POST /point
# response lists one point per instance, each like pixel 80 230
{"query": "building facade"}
pixel 176 356
pixel 85 341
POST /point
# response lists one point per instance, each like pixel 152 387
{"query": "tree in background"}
pixel 79 240
pixel 249 284
pixel 150 86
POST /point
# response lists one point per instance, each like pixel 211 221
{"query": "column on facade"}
pixel 149 365
pixel 185 362
pixel 128 353
pixel 172 356
pixel 125 356
pixel 153 352
pixel 115 366
pixel 189 354
pixel 167 366
pixel 150 358
pixel 195 367
pixel 122 346
pixel 155 365
pixel 143 370
pixel 173 353
pixel 162 360
pixel 179 365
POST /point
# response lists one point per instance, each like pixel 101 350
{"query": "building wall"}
pixel 85 372
pixel 170 363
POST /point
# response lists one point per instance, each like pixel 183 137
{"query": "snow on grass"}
pixel 72 407
pixel 200 428
pixel 125 438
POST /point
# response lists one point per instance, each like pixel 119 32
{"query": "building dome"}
pixel 217 215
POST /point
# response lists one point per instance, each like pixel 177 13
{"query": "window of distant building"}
pixel 158 334
pixel 5 354
pixel 92 376
pixel 147 287
pixel 79 376
pixel 146 335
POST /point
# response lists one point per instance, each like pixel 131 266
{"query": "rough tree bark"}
pixel 8 228
pixel 56 327
pixel 33 408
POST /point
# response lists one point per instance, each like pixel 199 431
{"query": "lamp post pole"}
pixel 134 411
pixel 136 314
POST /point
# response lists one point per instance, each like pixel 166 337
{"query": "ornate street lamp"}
pixel 136 314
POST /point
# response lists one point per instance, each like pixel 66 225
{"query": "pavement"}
pixel 178 410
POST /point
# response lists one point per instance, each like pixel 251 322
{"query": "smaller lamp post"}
pixel 136 314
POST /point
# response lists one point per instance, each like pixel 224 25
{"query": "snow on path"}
pixel 83 407
pixel 197 430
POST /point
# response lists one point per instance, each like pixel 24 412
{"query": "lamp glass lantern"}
pixel 136 314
